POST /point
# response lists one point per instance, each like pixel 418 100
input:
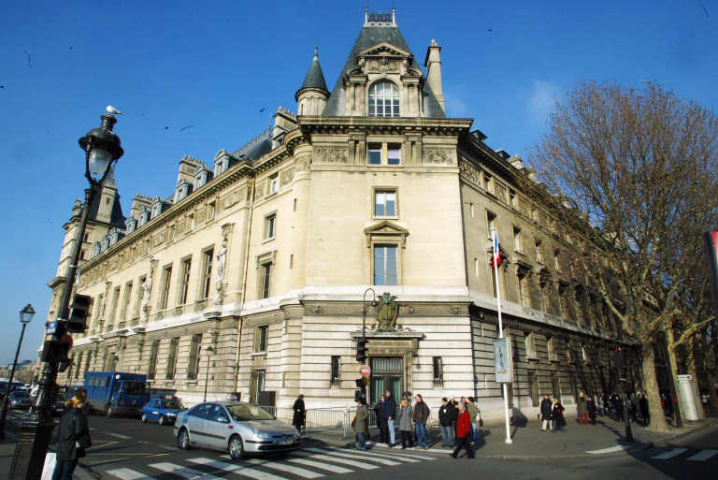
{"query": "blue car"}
pixel 163 410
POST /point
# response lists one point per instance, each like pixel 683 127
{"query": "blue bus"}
pixel 116 392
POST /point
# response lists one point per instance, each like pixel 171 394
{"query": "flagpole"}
pixel 501 330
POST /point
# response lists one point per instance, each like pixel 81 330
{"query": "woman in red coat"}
pixel 463 432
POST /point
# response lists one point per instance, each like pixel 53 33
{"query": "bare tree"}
pixel 639 171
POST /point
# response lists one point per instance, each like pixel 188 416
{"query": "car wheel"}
pixel 183 439
pixel 236 448
pixel 161 420
pixel 144 418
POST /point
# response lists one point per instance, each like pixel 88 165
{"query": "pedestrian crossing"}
pixel 690 455
pixel 307 463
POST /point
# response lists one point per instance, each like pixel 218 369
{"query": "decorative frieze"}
pixel 470 173
pixel 286 176
pixel 439 156
pixel 330 154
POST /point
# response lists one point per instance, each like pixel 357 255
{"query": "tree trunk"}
pixel 693 371
pixel 650 383
pixel 671 353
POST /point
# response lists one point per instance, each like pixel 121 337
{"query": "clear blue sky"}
pixel 216 65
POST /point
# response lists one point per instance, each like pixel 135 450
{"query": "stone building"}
pixel 250 278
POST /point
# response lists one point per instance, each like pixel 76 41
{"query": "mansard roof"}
pixel 256 147
pixel 369 36
pixel 315 75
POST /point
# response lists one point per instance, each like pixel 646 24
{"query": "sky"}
pixel 197 77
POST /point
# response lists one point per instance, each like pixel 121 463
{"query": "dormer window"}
pixel 144 216
pixel 201 177
pixel 96 249
pixel 183 189
pixel 105 244
pixel 221 166
pixel 131 224
pixel 383 100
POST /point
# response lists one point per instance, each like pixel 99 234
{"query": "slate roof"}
pixel 256 147
pixel 315 76
pixel 368 37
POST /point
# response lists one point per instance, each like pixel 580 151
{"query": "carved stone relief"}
pixel 439 156
pixel 302 164
pixel 287 176
pixel 470 173
pixel 330 154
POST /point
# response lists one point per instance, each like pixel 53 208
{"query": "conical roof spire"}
pixel 315 76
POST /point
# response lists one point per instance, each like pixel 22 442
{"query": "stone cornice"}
pixel 398 125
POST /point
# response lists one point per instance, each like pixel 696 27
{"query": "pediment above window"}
pixel 386 231
pixel 384 48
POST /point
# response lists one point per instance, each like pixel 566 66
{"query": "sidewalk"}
pixel 529 442
pixel 7 450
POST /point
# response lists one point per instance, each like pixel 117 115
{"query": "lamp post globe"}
pixel 102 149
pixel 27 313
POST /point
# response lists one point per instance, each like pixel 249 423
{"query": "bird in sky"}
pixel 185 128
pixel 112 110
pixel 262 109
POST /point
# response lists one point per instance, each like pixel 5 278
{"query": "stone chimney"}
pixel 433 72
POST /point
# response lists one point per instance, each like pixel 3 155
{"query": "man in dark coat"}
pixel 389 413
pixel 73 437
pixel 643 407
pixel 447 413
pixel 546 406
pixel 300 413
pixel 592 410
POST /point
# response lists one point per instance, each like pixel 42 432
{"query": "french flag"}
pixel 496 260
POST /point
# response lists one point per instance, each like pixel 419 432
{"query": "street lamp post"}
pixel 102 149
pixel 209 351
pixel 363 326
pixel 26 315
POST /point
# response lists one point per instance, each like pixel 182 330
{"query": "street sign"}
pixel 503 366
pixel 365 371
pixel 52 327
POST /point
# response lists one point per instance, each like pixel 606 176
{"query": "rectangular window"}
pixel 517 239
pixel 487 182
pixel 522 287
pixel 555 386
pixel 207 257
pixel 265 278
pixel 140 291
pixel 530 345
pixel 260 339
pixel 563 301
pixel 257 385
pixel 270 225
pixel 194 356
pixel 438 369
pixel 385 265
pixel 393 154
pixel 385 203
pixel 539 251
pixel 113 312
pixel 166 279
pixel 273 184
pixel 533 382
pixel 490 223
pixel 172 359
pixel 126 299
pixel 152 367
pixel 543 286
pixel 211 210
pixel 375 153
pixel 551 347
pixel 335 369
pixel 184 288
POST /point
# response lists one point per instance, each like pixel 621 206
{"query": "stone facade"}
pixel 266 258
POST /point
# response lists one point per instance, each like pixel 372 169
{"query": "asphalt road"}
pixel 126 449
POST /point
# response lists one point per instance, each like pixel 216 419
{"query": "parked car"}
pixel 163 410
pixel 236 428
pixel 20 399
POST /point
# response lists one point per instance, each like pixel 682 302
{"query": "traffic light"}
pixel 57 350
pixel 77 323
pixel 617 357
pixel 361 350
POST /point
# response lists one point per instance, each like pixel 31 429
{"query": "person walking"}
pixel 381 420
pixel 73 437
pixel 602 404
pixel 389 412
pixel 421 416
pixel 546 413
pixel 446 420
pixel 591 407
pixel 582 409
pixel 405 418
pixel 300 414
pixel 643 407
pixel 473 410
pixel 559 422
pixel 361 424
pixel 463 432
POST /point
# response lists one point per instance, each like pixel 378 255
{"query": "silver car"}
pixel 236 428
pixel 20 399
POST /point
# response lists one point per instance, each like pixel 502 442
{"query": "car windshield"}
pixel 174 404
pixel 243 412
pixel 134 388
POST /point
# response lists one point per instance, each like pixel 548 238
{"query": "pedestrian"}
pixel 618 404
pixel 446 420
pixel 473 410
pixel 602 404
pixel 632 408
pixel 545 408
pixel 382 420
pixel 405 418
pixel 73 436
pixel 361 424
pixel 582 409
pixel 463 432
pixel 559 422
pixel 389 412
pixel 643 407
pixel 421 416
pixel 300 413
pixel 591 405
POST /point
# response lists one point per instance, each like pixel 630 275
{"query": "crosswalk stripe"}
pixel 335 459
pixel 301 472
pixel 703 455
pixel 669 454
pixel 402 457
pixel 236 469
pixel 354 456
pixel 128 474
pixel 184 472
pixel 320 465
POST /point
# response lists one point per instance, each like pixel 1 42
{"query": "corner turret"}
pixel 313 94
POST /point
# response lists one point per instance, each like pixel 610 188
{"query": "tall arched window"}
pixel 383 100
